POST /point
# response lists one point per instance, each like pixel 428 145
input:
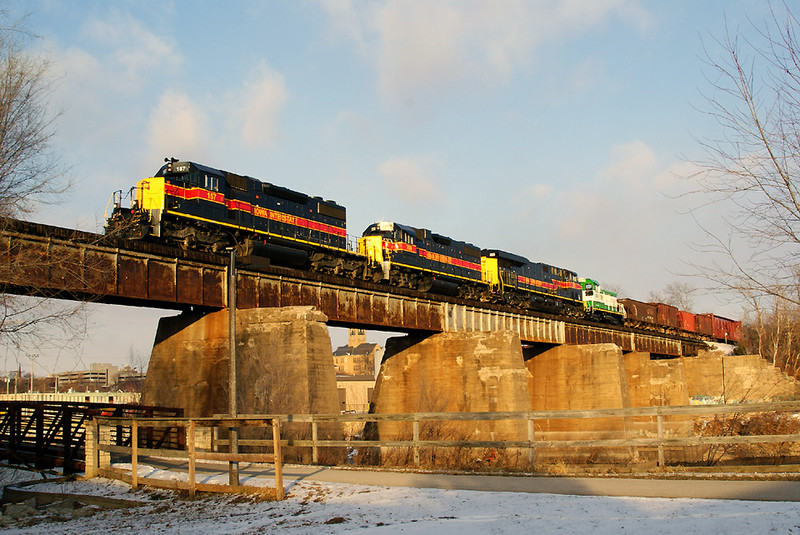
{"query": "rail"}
pixel 101 446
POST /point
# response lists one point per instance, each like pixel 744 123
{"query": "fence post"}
pixel 134 454
pixel 280 493
pixel 314 437
pixel 531 446
pixel 90 444
pixel 660 423
pixel 416 440
pixel 39 415
pixel 66 439
pixel 190 445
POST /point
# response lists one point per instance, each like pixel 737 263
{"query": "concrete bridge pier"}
pixel 284 365
pixel 453 372
pixel 602 376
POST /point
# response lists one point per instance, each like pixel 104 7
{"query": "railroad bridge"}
pixel 457 356
pixel 50 261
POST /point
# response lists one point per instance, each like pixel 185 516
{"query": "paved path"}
pixel 584 486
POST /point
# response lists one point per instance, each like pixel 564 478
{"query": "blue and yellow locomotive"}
pixel 419 259
pixel 199 207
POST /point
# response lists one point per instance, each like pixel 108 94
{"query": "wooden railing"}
pixel 655 433
pixel 101 446
pixel 660 437
pixel 47 433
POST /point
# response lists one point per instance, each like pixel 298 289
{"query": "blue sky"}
pixel 556 130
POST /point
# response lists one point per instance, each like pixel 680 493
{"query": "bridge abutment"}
pixel 284 365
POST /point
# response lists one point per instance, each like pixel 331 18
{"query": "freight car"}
pixel 639 314
pixel 667 318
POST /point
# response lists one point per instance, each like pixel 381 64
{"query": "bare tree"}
pixel 772 330
pixel 29 167
pixel 750 174
pixel 677 294
pixel 30 175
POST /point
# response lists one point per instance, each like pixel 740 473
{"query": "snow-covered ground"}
pixel 322 508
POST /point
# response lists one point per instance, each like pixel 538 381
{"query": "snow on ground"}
pixel 323 508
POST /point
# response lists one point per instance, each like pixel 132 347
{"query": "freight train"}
pixel 199 207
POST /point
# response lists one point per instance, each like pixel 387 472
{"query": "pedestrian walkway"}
pixel 580 486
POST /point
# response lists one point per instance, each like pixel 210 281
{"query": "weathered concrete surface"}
pixel 454 372
pixel 579 378
pixel 284 364
pixel 600 376
pixel 714 378
pixel 189 365
pixel 657 383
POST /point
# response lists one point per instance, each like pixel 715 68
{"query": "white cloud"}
pixel 132 53
pixel 422 49
pixel 101 85
pixel 345 22
pixel 537 192
pixel 631 164
pixel 178 127
pixel 580 213
pixel 258 107
pixel 586 75
pixel 411 179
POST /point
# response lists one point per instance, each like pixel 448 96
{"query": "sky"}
pixel 560 131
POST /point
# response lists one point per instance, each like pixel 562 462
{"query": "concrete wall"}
pixel 286 366
pixel 655 382
pixel 714 378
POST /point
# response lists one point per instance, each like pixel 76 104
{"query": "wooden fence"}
pixel 660 439
pixel 100 446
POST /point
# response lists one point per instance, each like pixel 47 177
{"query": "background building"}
pixel 357 366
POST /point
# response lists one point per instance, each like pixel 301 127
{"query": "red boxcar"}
pixel 640 312
pixel 704 324
pixel 686 321
pixel 667 315
pixel 726 330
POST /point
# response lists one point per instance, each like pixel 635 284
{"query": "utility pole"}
pixel 32 356
pixel 233 432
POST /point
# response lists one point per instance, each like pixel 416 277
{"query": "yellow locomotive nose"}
pixel 150 193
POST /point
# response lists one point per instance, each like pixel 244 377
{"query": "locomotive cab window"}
pixel 211 183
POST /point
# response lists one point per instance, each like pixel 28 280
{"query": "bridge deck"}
pixel 56 262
